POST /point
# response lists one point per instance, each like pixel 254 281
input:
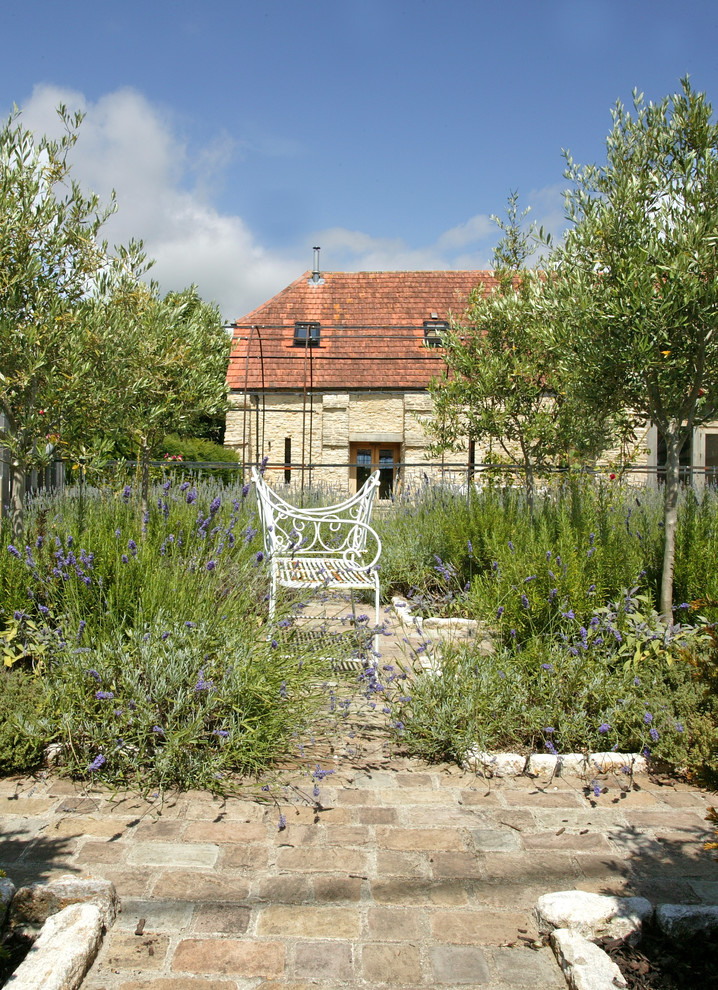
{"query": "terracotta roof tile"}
pixel 371 330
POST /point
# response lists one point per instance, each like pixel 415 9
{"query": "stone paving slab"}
pixel 403 875
pixel 364 900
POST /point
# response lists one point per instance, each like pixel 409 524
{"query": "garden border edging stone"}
pixel 572 918
pixel 71 915
pixel 539 764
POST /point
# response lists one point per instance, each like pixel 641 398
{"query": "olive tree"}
pixel 632 298
pixel 502 383
pixel 164 359
pixel 49 256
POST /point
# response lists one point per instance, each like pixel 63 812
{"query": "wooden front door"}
pixel 365 458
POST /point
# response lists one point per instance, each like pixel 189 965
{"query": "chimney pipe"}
pixel 316 278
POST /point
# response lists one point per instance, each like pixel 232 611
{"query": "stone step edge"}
pixel 486 764
pixel 72 914
pixel 584 916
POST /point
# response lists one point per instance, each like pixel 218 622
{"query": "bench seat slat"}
pixel 329 571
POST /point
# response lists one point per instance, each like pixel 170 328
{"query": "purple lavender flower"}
pixel 525 602
pixel 648 718
pixel 263 465
pixel 125 559
pixel 14 551
pixel 94 674
pixel 511 546
pixel 43 609
pixel 245 491
pixel 211 565
pixel 550 668
pixel 202 684
pixel 549 746
pixel 470 548
pixel 97 763
pixel 260 557
pixel 214 505
pixel 603 728
pixel 164 636
pixel 596 788
pixel 283 689
pixel 191 496
pixel 222 733
pixel 127 493
pixel 282 824
pixel 654 734
pixel 104 695
pixel 678 727
pixel 500 611
pixel 80 629
pixel 158 730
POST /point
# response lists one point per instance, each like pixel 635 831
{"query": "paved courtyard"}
pixel 400 875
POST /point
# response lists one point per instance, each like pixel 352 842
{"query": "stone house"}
pixel 328 379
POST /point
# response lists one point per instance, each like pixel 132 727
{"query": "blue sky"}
pixel 238 135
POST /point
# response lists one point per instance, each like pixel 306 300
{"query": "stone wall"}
pixel 322 428
pixel 331 421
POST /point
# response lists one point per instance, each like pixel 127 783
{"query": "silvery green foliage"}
pixel 631 301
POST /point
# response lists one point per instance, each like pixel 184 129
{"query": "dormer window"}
pixel 434 331
pixel 306 334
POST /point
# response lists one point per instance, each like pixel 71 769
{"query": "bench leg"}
pixel 376 616
pixel 272 596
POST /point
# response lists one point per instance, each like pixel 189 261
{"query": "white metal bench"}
pixel 331 547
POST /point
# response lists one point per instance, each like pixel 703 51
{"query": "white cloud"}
pixel 353 250
pixel 164 198
pixel 478 228
pixel 131 146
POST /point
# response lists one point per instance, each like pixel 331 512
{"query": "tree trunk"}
pixel 670 521
pixel 145 462
pixel 17 505
pixel 530 484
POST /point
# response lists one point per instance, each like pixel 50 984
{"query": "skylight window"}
pixel 307 334
pixel 434 331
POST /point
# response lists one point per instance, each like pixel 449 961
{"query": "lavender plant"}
pixel 155 656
